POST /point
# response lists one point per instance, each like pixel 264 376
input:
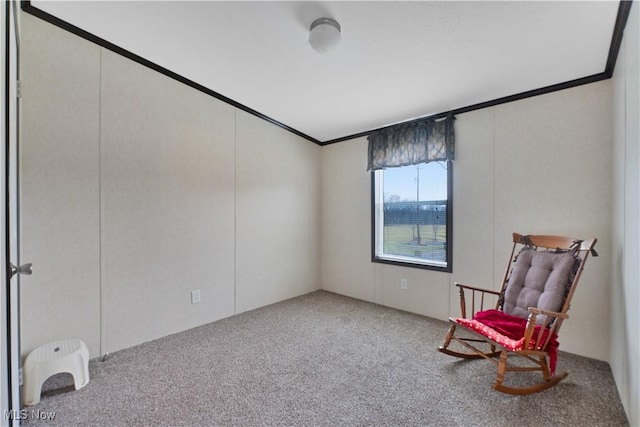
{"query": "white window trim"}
pixel 377 229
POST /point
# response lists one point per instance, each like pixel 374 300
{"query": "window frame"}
pixel 449 243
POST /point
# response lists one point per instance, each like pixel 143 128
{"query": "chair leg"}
pixel 502 369
pixel 444 348
pixel 450 333
pixel 545 368
pixel 549 381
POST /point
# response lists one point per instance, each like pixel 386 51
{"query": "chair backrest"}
pixel 543 274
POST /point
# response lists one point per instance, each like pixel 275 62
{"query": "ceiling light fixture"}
pixel 324 34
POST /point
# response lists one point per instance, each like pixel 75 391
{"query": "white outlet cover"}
pixel 195 297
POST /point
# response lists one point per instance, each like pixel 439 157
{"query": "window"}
pixel 411 180
pixel 412 212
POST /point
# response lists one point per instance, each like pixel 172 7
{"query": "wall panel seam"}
pixel 493 194
pixel 235 211
pixel 103 323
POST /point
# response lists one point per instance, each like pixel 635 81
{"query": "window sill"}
pixel 409 262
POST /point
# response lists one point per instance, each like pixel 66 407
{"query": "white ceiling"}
pixel 397 60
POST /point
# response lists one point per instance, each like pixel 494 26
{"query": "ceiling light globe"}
pixel 324 35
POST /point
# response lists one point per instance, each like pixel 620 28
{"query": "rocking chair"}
pixel 529 310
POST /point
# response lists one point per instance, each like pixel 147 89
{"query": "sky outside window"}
pixel 401 182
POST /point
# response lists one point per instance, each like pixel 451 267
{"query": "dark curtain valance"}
pixel 412 143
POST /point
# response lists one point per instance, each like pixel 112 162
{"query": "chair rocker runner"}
pixel 529 309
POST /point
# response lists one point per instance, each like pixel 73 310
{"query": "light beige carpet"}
pixel 319 360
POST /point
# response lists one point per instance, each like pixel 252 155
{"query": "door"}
pixel 10 407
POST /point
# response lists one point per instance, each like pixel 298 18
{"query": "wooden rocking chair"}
pixel 529 310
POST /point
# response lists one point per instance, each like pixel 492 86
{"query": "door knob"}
pixel 23 269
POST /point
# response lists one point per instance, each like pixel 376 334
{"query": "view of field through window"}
pixel 415 211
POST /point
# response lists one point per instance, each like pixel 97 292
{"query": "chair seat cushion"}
pixel 508 331
pixel 487 331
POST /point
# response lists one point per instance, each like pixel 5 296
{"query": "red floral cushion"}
pixel 508 331
pixel 492 334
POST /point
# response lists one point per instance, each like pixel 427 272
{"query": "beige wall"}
pixel 625 273
pixel 540 165
pixel 278 214
pixel 136 190
pixel 167 207
pixel 59 168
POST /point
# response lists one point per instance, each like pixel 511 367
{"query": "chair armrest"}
pixel 551 325
pixel 553 314
pixel 480 292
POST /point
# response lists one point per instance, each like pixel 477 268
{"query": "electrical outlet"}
pixel 195 297
pixel 403 283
